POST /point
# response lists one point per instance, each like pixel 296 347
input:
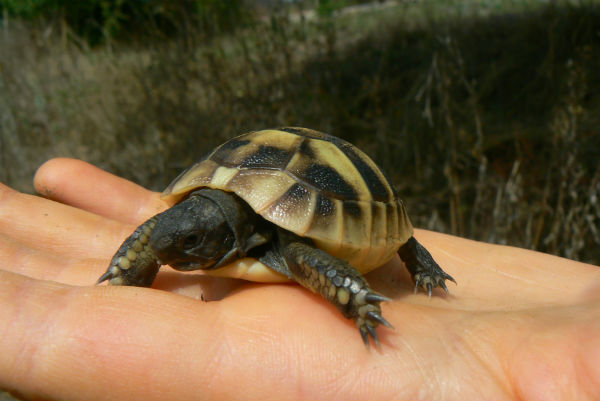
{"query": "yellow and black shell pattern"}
pixel 310 183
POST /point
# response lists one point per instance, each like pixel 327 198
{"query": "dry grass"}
pixel 487 122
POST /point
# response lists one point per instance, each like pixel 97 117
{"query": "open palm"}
pixel 519 325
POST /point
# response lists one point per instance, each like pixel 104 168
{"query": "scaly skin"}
pixel 424 270
pixel 134 263
pixel 339 283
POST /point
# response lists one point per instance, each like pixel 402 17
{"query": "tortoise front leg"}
pixel 339 282
pixel 135 262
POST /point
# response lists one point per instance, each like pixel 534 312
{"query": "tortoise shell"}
pixel 312 184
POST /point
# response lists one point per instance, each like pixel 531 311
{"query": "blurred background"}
pixel 484 114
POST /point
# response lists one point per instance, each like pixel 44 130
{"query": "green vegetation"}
pixel 101 21
pixel 484 114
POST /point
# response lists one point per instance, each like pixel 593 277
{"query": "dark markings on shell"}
pixel 339 142
pixel 324 207
pixel 379 190
pixel 294 199
pixel 297 192
pixel 223 154
pixel 267 157
pixel 233 144
pixel 324 222
pixel 391 215
pixel 305 149
pixel 306 133
pixel 328 179
pixel 352 208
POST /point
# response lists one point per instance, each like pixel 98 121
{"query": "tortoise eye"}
pixel 190 241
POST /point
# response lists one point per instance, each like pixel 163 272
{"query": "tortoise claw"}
pixel 365 335
pixel 376 316
pixel 366 331
pixel 106 276
pixel 375 297
pixel 368 316
pixel 443 286
pixel 373 334
pixel 429 281
pixel 424 270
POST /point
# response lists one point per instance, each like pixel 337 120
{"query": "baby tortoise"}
pixel 275 205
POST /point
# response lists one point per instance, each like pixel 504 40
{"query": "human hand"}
pixel 519 325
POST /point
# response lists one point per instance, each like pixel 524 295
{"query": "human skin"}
pixel 519 324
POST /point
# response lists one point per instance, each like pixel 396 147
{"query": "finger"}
pixel 127 343
pixel 22 259
pixel 85 186
pixel 54 329
pixel 495 276
pixel 56 228
pixel 32 262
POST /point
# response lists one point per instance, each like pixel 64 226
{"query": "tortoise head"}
pixel 194 234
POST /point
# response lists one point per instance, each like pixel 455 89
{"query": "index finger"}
pixel 80 184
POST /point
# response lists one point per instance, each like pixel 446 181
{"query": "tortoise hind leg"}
pixel 422 267
pixel 338 282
